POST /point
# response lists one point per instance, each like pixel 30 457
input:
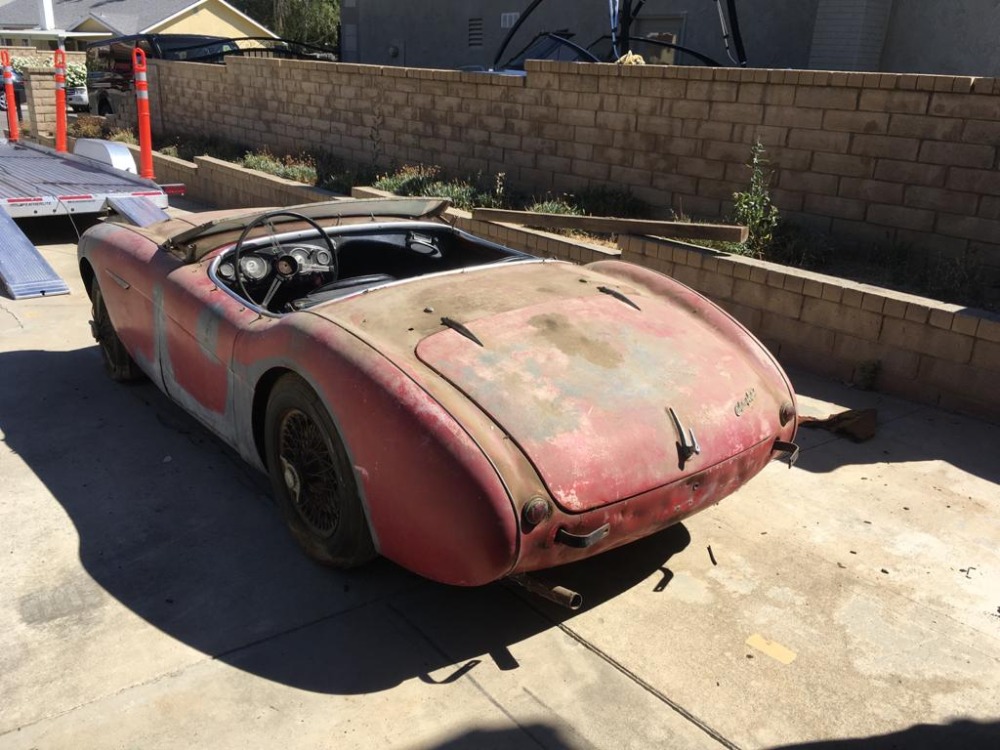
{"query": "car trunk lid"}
pixel 605 399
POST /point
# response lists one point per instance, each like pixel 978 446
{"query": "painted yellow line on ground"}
pixel 772 648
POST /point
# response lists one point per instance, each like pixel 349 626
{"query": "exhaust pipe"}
pixel 560 595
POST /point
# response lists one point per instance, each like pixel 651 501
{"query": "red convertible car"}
pixel 464 409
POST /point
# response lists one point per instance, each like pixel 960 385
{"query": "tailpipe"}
pixel 560 595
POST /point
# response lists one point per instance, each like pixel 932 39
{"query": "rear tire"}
pixel 313 478
pixel 117 361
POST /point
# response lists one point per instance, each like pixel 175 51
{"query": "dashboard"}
pixel 273 275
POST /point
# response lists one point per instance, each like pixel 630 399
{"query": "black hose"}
pixel 734 22
pixel 513 30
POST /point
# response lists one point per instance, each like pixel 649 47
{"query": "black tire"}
pixel 3 100
pixel 312 477
pixel 117 361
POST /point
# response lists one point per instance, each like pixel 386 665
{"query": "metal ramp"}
pixel 138 211
pixel 23 271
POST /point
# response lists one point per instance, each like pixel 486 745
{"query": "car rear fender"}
pixel 435 503
pixel 697 304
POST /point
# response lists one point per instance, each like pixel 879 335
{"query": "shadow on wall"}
pixel 181 532
pixel 906 432
pixel 959 735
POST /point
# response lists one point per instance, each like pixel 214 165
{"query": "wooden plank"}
pixel 607 225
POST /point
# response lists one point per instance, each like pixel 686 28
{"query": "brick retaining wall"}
pixel 928 351
pixel 871 156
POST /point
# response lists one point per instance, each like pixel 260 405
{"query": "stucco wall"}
pixel 212 18
pixel 435 34
pixel 945 37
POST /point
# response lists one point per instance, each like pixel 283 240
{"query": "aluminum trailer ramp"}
pixel 39 181
pixel 23 270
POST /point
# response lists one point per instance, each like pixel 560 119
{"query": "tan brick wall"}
pixel 864 155
pixel 928 351
pixel 225 185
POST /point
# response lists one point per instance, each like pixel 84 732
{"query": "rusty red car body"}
pixel 501 413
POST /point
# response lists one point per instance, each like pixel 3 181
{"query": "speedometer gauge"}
pixel 227 271
pixel 253 268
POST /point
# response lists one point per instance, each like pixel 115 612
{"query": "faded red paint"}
pixel 566 400
pixel 642 515
pixel 434 501
pixel 583 386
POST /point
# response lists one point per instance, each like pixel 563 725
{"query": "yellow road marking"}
pixel 773 649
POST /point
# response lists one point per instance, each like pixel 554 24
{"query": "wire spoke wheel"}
pixel 309 473
pixel 313 476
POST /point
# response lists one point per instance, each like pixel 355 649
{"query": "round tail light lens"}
pixel 535 511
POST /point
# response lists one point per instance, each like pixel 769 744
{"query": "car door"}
pixel 197 325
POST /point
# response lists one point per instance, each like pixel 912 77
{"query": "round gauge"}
pixel 324 257
pixel 301 254
pixel 227 271
pixel 253 268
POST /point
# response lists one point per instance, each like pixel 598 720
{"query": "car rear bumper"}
pixel 566 538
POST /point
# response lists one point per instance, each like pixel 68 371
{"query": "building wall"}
pixel 908 36
pixel 212 18
pixel 434 33
pixel 849 34
pixel 958 38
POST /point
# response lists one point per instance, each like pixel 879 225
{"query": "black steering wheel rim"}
pixel 267 217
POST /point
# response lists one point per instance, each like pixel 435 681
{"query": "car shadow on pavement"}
pixel 963 733
pixel 180 531
pixel 525 736
pixel 906 431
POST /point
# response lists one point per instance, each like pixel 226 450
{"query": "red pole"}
pixel 59 60
pixel 142 102
pixel 8 82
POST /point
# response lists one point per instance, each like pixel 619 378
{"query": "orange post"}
pixel 142 103
pixel 59 61
pixel 8 82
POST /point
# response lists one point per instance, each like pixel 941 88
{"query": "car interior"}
pixel 284 273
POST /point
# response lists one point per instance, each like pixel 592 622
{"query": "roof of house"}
pixel 121 16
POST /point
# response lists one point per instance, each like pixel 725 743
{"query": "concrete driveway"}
pixel 151 598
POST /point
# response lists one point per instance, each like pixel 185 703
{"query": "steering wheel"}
pixel 287 266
